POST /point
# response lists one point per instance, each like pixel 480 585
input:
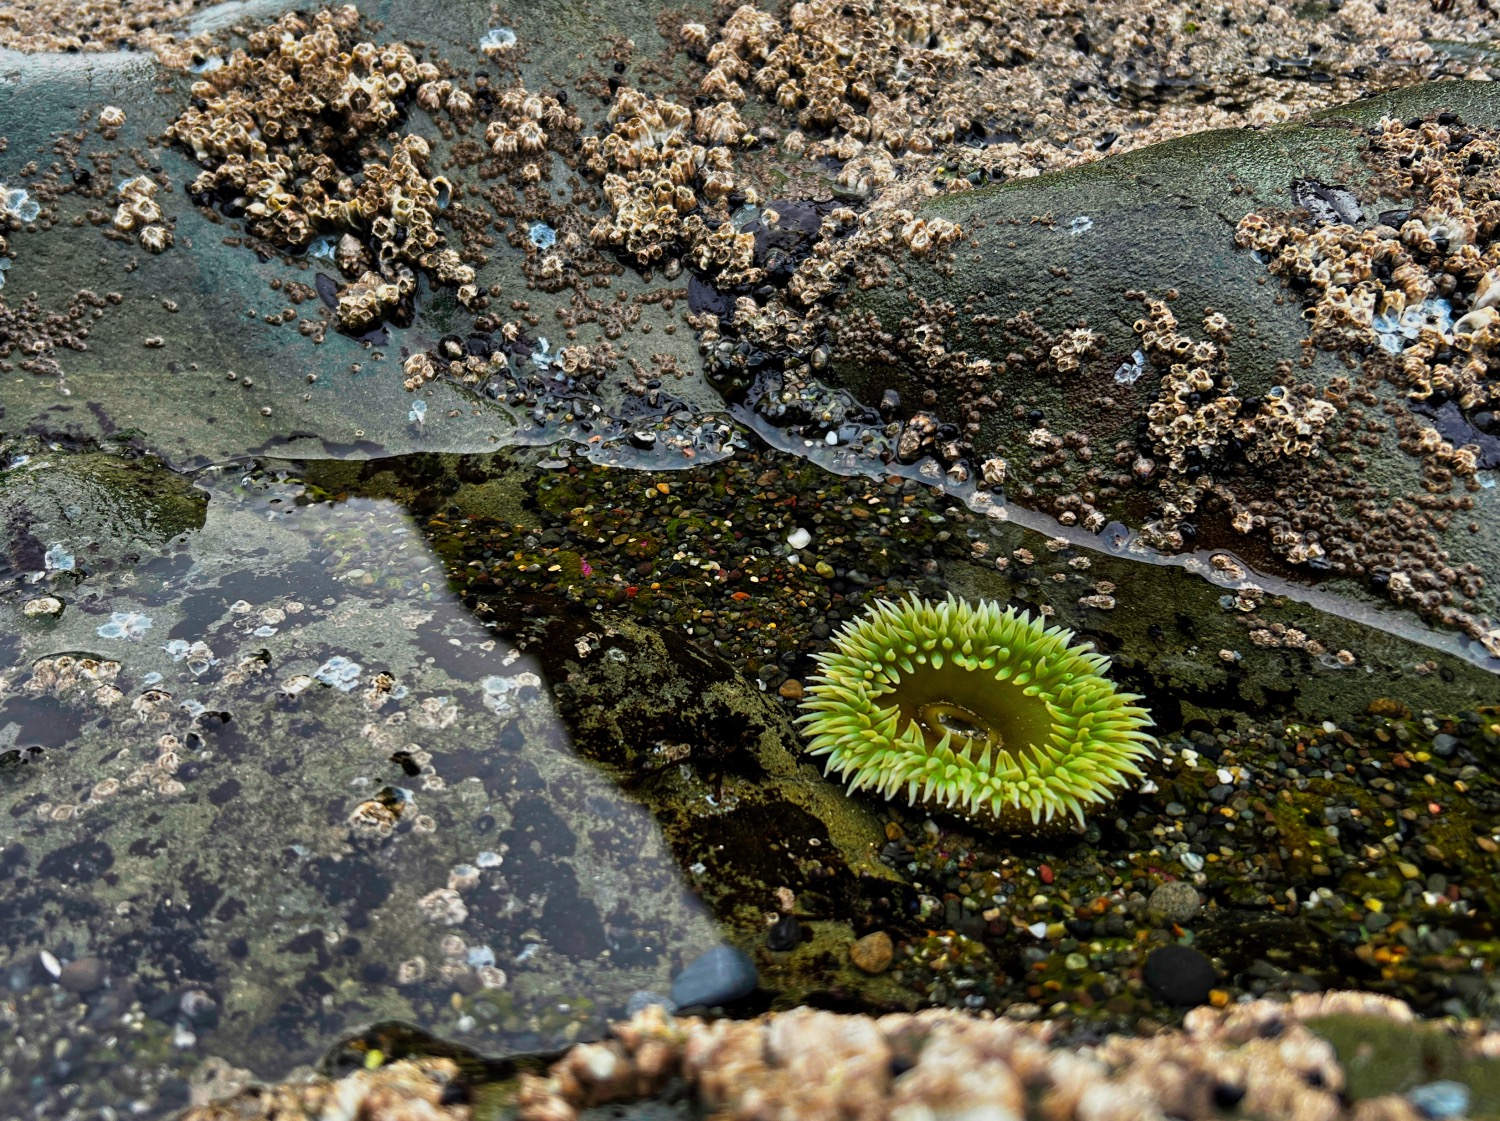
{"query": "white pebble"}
pixel 799 538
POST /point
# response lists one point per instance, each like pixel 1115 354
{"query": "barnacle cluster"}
pixel 273 128
pixel 418 1089
pixel 923 235
pixel 138 212
pixel 1265 1057
pixel 441 93
pixel 862 81
pixel 363 301
pixel 467 363
pixel 525 124
pixel 888 85
pixel 1422 284
pixel 1289 422
pixel 31 335
pixel 666 172
pixel 1193 417
pixel 1075 345
pixel 1197 421
pixel 103 25
pixel 972 709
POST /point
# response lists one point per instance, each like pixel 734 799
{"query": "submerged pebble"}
pixel 873 953
pixel 1440 1101
pixel 721 975
pixel 1180 975
pixel 784 934
pixel 82 976
pixel 1178 902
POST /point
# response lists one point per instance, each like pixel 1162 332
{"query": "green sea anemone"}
pixel 974 709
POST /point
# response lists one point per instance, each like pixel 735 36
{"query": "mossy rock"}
pixel 1381 1056
pixel 98 509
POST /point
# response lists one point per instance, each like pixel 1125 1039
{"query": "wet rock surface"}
pixel 300 789
pixel 1093 275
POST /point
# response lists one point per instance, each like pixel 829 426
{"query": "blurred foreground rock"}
pixel 1336 1056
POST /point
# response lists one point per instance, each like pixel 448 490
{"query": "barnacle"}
pixel 974 709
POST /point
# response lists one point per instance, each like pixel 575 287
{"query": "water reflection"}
pixel 281 784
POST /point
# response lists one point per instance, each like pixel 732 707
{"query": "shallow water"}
pixel 316 748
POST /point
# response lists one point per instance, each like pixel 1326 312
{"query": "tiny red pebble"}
pixel 631 591
pixel 1434 809
pixel 1045 871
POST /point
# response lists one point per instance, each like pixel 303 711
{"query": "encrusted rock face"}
pixel 1338 424
pixel 1268 1059
pixel 1421 282
pixel 426 1089
pixel 271 127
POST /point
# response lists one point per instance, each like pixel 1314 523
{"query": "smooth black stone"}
pixel 785 934
pixel 1179 975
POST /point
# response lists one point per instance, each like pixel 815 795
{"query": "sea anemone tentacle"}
pixel 974 709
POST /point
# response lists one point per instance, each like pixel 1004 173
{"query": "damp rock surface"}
pixel 1157 265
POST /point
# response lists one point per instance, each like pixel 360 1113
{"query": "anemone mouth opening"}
pixel 975 709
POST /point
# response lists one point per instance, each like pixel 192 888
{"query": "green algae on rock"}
pixel 972 708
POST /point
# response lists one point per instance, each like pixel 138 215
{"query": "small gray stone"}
pixel 1176 901
pixel 642 999
pixel 1440 1100
pixel 82 976
pixel 1176 809
pixel 1443 744
pixel 721 975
